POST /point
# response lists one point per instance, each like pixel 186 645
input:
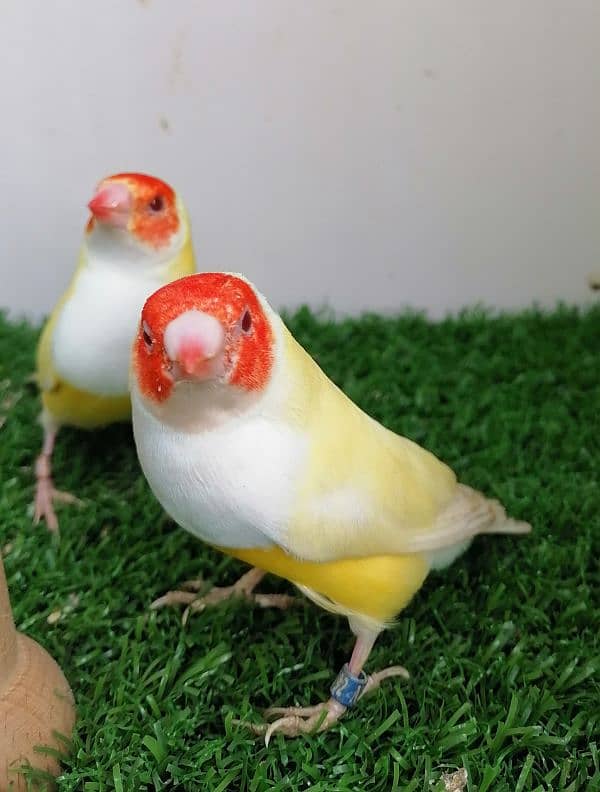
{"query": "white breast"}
pixel 231 486
pixel 92 340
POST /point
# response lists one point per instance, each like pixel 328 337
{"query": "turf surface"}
pixel 503 647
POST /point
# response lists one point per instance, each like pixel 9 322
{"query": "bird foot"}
pixel 244 588
pixel 293 721
pixel 45 495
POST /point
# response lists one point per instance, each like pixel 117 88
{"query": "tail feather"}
pixel 468 514
pixel 499 522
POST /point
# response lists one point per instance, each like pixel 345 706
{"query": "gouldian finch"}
pixel 137 239
pixel 249 446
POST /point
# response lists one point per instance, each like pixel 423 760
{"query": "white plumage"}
pixel 91 344
pixel 231 486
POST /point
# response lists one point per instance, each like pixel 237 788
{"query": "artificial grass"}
pixel 503 647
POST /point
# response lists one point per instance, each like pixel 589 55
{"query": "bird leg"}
pixel 244 587
pixel 45 493
pixel 350 685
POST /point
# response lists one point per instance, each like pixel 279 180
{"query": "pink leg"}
pixel 362 650
pixel 244 588
pixel 293 721
pixel 45 493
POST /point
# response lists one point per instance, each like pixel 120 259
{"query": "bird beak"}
pixel 194 343
pixel 191 357
pixel 112 204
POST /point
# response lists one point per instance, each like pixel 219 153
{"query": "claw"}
pixel 256 728
pixel 244 588
pixel 294 721
pixel 45 494
pixel 173 598
pixel 297 720
pixel 280 725
pixel 307 720
pixel 294 725
pixel 301 711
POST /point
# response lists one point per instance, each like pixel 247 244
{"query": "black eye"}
pixel 157 203
pixel 246 322
pixel 147 336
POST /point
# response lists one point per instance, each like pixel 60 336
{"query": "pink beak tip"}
pixel 190 354
pixel 111 203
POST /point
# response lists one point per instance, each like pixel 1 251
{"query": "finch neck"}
pixel 202 407
pixel 116 248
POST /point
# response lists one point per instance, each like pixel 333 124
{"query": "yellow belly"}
pixel 378 586
pixel 73 407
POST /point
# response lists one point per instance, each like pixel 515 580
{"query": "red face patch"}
pixel 249 338
pixel 154 216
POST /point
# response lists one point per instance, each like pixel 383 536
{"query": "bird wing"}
pixel 367 491
pixel 46 375
pixel 184 262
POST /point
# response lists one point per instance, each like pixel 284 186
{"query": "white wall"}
pixel 368 154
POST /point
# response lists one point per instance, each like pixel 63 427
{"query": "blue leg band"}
pixel 346 688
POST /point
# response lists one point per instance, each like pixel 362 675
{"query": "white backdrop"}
pixel 366 154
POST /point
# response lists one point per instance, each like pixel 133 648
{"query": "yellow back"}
pixel 365 491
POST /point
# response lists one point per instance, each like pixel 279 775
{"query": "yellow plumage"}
pixel 376 587
pixel 365 490
pixel 372 507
